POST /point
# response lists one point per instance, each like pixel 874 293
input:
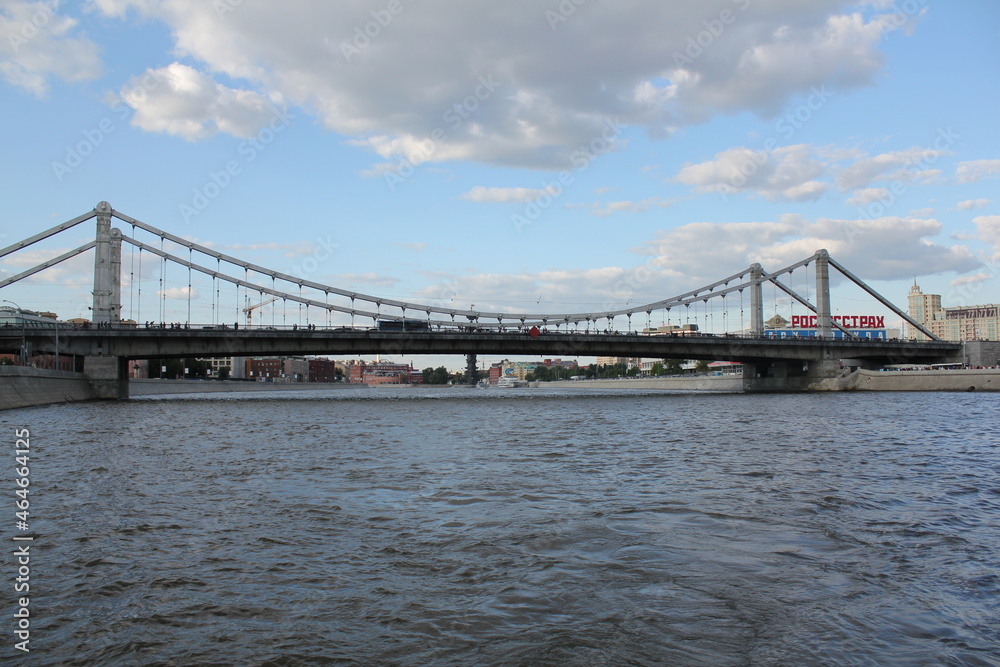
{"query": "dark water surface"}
pixel 532 526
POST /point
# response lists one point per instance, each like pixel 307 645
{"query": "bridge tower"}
pixel 107 375
pixel 756 300
pixel 107 269
pixel 824 326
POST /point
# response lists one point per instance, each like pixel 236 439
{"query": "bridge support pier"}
pixel 788 376
pixel 107 376
pixel 471 373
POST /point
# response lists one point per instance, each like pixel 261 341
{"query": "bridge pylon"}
pixel 107 375
pixel 824 323
pixel 107 269
pixel 756 300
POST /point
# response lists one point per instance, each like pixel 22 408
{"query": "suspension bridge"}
pixel 329 320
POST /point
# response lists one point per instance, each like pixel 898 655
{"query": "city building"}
pixel 725 368
pixel 562 363
pixel 216 364
pixel 957 323
pixel 923 308
pixel 614 361
pixel 324 370
pixel 382 372
pixel 278 369
pixel 139 368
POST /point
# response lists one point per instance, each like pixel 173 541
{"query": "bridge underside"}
pixel 770 365
pixel 165 343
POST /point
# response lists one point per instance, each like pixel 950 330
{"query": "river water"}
pixel 524 526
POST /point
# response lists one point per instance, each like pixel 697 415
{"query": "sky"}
pixel 544 156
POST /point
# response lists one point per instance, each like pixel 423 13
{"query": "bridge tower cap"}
pixel 103 207
pixel 822 252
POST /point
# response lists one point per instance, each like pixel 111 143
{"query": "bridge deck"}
pixel 138 343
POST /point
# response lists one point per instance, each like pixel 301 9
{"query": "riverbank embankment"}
pixel 696 383
pixel 972 379
pixel 23 386
pixel 159 387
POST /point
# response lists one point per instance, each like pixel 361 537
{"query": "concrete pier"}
pixel 108 376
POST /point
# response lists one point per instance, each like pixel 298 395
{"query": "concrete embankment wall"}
pixel 24 386
pixel 987 379
pixel 158 387
pixel 861 380
pixel 703 383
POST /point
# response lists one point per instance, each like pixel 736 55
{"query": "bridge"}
pixel 336 321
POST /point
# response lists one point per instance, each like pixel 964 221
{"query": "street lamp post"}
pixel 20 312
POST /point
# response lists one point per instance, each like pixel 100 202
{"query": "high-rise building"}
pixel 924 308
pixel 954 323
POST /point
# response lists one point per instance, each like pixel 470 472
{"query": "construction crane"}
pixel 249 309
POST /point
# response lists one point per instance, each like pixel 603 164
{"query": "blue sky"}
pixel 519 156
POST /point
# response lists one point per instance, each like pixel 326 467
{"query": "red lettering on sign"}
pixel 847 321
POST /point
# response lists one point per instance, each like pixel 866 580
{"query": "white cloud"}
pixel 970 204
pixel 696 254
pixel 505 195
pixel 372 279
pixel 988 229
pixel 904 165
pixel 186 103
pixel 79 269
pixel 787 173
pixel 493 82
pixel 976 170
pixel 288 250
pixel 869 195
pixel 624 206
pixel 880 249
pixel 38 42
pixel 970 280
pixel 544 291
pixel 178 293
pixel 416 247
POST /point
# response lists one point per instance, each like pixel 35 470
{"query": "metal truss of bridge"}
pixel 382 325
